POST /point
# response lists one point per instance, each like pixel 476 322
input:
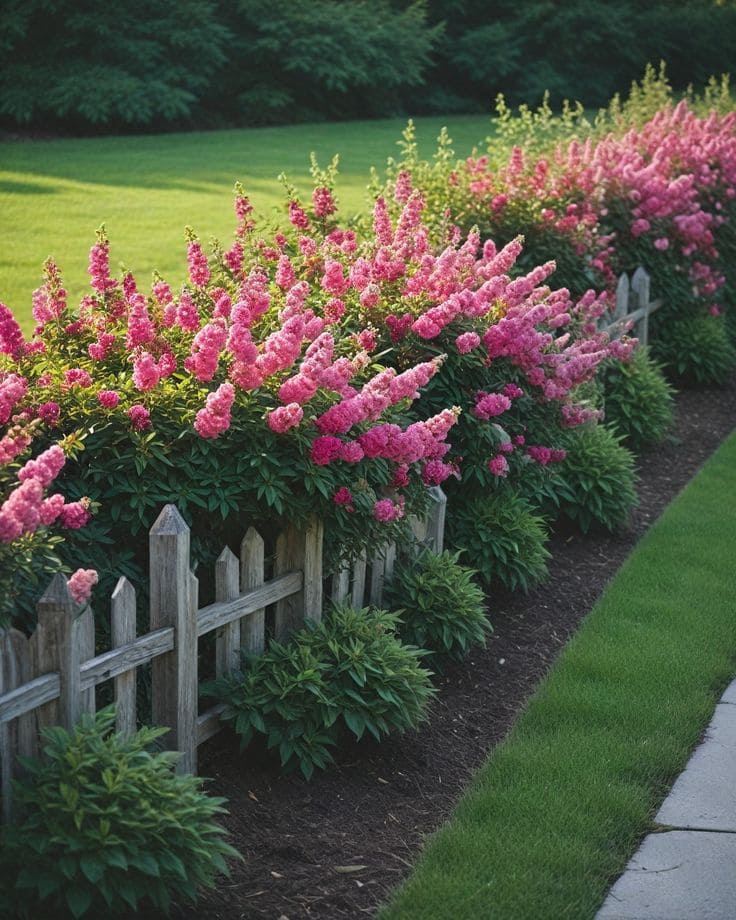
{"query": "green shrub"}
pixel 349 673
pixel 501 537
pixel 597 479
pixel 638 400
pixel 442 607
pixel 106 824
pixel 696 350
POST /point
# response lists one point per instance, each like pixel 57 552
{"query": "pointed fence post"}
pixel 252 556
pixel 640 286
pixel 122 616
pixel 227 588
pixel 174 603
pixel 622 297
pixel 436 519
pixel 57 645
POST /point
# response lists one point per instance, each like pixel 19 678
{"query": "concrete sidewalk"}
pixel 688 871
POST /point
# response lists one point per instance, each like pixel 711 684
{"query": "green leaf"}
pixel 78 899
pixel 93 868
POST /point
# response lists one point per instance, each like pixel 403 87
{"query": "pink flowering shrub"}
pixel 656 189
pixel 31 516
pixel 249 394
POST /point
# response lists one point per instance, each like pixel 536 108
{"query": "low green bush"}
pixel 350 673
pixel 105 825
pixel 596 479
pixel 442 608
pixel 697 350
pixel 500 535
pixel 638 400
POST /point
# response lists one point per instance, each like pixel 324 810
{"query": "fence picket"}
pixel 227 588
pixel 18 736
pixel 640 289
pixel 375 592
pixel 299 549
pixel 174 696
pixel 358 592
pixel 56 646
pixel 436 520
pixel 122 616
pixel 340 586
pixel 84 626
pixel 252 556
pixel 622 297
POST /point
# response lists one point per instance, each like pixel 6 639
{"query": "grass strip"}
pixel 558 809
pixel 146 189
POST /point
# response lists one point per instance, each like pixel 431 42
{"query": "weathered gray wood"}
pixel 31 696
pixel 640 284
pixel 57 646
pixel 622 297
pixel 313 540
pixel 227 588
pixel 436 519
pixel 375 592
pixel 27 724
pixel 122 616
pixel 209 724
pixel 357 596
pixel 14 736
pixel 419 526
pixel 389 562
pixel 340 586
pixel 252 556
pixel 120 660
pixel 300 549
pixel 214 615
pixel 173 603
pixel 85 628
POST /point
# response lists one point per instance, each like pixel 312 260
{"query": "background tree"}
pixel 79 63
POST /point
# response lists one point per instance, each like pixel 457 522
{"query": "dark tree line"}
pixel 79 65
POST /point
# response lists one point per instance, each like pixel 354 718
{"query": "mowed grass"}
pixel 54 194
pixel 560 806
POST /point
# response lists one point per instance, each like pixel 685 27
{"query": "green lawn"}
pixel 560 806
pixel 54 194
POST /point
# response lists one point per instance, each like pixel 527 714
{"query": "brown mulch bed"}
pixel 337 846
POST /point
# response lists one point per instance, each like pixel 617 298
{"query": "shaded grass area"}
pixel 54 194
pixel 558 809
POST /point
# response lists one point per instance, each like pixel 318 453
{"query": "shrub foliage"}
pixel 106 825
pixel 638 400
pixel 597 479
pixel 349 675
pixel 442 608
pixel 501 537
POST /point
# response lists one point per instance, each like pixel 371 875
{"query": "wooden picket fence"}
pixel 50 678
pixel 633 307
